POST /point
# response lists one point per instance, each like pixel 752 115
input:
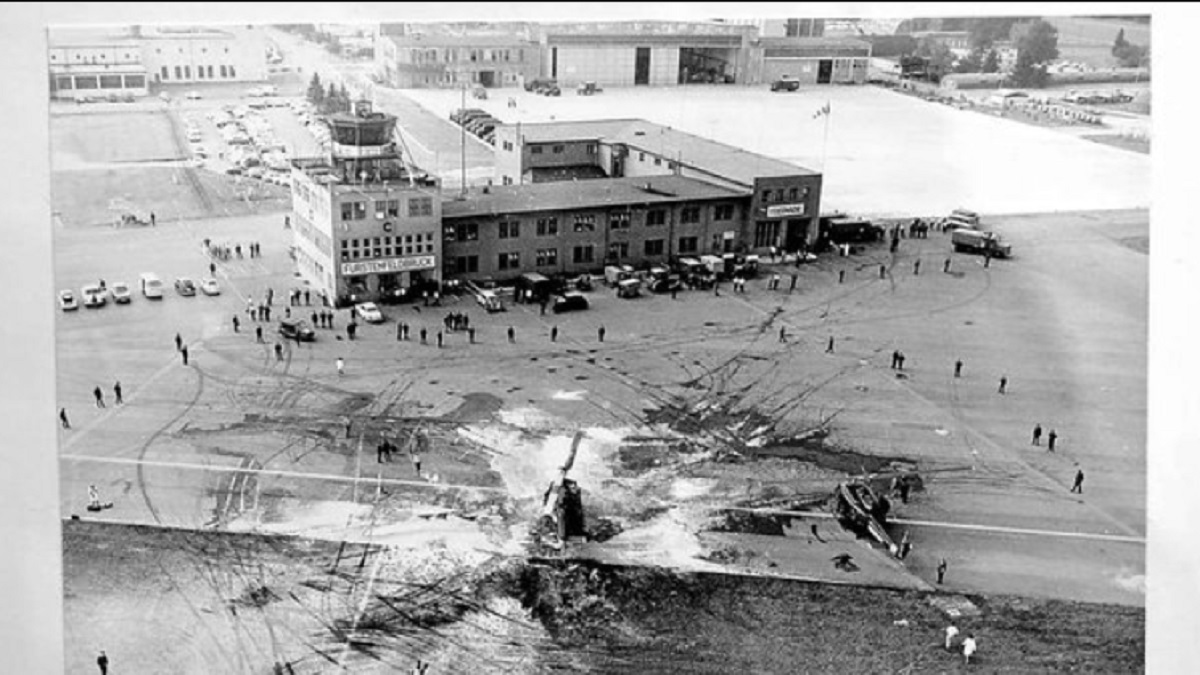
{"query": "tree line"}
pixel 327 100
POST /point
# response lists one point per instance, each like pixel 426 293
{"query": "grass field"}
pixel 78 140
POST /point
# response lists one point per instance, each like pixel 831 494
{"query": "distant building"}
pixel 95 63
pixel 204 54
pixel 364 226
pixel 440 60
pixel 813 60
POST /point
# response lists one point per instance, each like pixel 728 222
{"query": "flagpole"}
pixel 825 142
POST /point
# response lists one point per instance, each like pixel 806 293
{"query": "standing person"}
pixel 895 358
pixel 93 499
pixel 783 334
pixel 471 334
pixel 716 288
pixel 916 266
pixel 1050 439
pixel 1078 486
pixel 793 286
pixel 380 450
pixel 1003 384
pixel 184 352
pixel 941 570
pixel 829 347
pixel 307 298
pixel 1037 434
pixel 775 282
pixel 968 648
pixel 841 276
pixel 315 320
pixel 212 269
pixel 102 662
pixel 951 632
pixel 178 342
pixel 350 329
pixel 439 339
pixel 121 401
pixel 258 334
pixel 399 331
pixel 341 366
pixel 900 361
pixel 554 333
pixel 62 417
pixel 278 351
pixel 674 292
pixel 600 332
pixel 958 368
pixel 236 323
pixel 512 334
pixel 416 458
pixel 424 333
pixel 99 397
pixel 946 266
pixel 153 219
pixel 882 268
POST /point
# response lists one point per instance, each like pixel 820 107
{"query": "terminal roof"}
pixel 512 199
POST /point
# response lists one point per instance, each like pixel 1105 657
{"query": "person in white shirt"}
pixel 968 648
pixel 951 632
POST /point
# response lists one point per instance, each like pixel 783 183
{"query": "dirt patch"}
pixel 475 407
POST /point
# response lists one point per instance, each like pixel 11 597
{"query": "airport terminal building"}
pixel 574 196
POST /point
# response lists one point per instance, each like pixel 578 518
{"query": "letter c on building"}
pixel 387 227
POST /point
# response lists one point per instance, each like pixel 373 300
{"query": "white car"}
pixel 208 286
pixel 369 312
pixel 93 296
pixel 120 293
pixel 193 96
pixel 67 301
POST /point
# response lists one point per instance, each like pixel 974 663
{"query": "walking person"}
pixel 969 648
pixel 951 632
pixel 102 662
pixel 1003 384
pixel 94 499
pixel 236 323
pixel 424 333
pixel 554 333
pixel 958 368
pixel 1037 434
pixel 258 334
pixel 783 334
pixel 916 267
pixel 941 570
pixel 512 335
pixel 946 266
pixel 841 276
pixel 1050 438
pixel 153 219
pixel 793 286
pixel 882 268
pixel 99 397
pixel 121 401
pixel 212 269
pixel 439 339
pixel 178 342
pixel 471 334
pixel 900 361
pixel 399 331
pixel 600 333
pixel 62 417
pixel 183 351
pixel 1078 485
pixel 341 366
pixel 278 351
pixel 829 347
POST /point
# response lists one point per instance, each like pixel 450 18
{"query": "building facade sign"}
pixel 785 210
pixel 388 265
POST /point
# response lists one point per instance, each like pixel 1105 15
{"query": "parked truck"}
pixel 985 243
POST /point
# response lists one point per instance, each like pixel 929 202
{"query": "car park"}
pixel 296 329
pixel 94 296
pixel 185 286
pixel 120 293
pixel 369 312
pixel 209 286
pixel 67 301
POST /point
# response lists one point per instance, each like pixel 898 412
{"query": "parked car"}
pixel 570 301
pixel 185 286
pixel 786 83
pixel 120 293
pixel 67 301
pixel 534 84
pixel 548 90
pixel 94 296
pixel 193 96
pixel 458 115
pixel 296 328
pixel 369 312
pixel 209 286
pixel 587 89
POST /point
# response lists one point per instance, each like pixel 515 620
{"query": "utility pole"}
pixel 463 144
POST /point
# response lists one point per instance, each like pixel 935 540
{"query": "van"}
pixel 987 243
pixel 534 287
pixel 629 288
pixel 151 285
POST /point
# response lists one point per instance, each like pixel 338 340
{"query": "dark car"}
pixel 296 328
pixel 458 115
pixel 481 124
pixel 548 90
pixel 570 301
pixel 785 83
pixel 536 83
pixel 471 115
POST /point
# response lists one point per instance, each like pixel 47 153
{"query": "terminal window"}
pixel 688 244
pixel 584 254
pixel 585 223
pixel 510 229
pixel 558 149
pixel 421 206
pixel 656 217
pixel 618 250
pixel 619 221
pixel 535 149
pixel 547 227
pixel 723 212
pixel 654 247
pixel 510 261
pixel 547 257
pixel 690 214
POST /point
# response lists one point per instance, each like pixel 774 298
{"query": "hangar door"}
pixel 641 66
